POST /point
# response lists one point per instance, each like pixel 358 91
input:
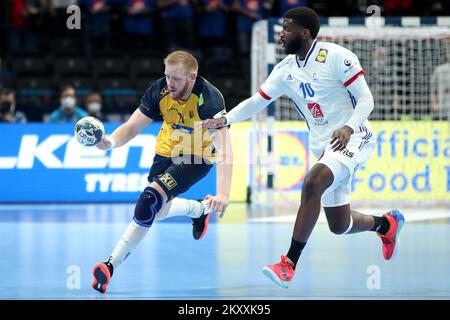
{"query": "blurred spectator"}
pixel 346 8
pixel 68 111
pixel 431 7
pixel 213 28
pixel 94 105
pixel 285 5
pixel 177 23
pixel 58 16
pixel 440 92
pixel 249 11
pixel 397 7
pixel 58 8
pixel 8 112
pixel 138 22
pixel 5 74
pixel 25 21
pixel 37 11
pixel 98 28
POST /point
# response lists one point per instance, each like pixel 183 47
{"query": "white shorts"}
pixel 343 164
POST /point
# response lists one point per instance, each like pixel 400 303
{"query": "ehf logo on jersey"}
pixel 315 110
pixel 322 55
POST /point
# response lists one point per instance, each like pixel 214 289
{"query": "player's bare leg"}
pixel 318 179
pixel 316 182
pixel 343 220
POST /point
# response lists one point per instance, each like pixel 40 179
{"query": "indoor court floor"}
pixel 48 252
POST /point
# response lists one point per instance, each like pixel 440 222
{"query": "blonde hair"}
pixel 184 58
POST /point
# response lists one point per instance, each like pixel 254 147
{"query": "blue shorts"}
pixel 175 177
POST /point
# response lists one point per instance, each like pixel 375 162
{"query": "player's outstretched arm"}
pixel 242 111
pixel 127 131
pixel 222 143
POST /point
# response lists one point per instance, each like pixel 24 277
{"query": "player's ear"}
pixel 192 76
pixel 307 33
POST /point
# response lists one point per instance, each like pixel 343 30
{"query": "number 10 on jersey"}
pixel 307 89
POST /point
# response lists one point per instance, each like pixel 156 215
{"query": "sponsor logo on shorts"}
pixel 168 181
pixel 347 153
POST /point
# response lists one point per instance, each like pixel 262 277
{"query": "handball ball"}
pixel 89 131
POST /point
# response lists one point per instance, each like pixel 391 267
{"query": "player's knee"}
pixel 311 186
pixel 148 205
pixel 308 185
pixel 338 228
pixel 317 181
pixel 341 227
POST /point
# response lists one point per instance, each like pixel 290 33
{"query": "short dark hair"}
pixel 305 17
pixel 64 87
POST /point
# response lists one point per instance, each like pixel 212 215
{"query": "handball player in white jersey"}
pixel 326 83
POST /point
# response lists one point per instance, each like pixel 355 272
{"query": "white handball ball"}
pixel 89 131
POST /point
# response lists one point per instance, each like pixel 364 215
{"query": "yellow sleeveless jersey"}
pixel 177 135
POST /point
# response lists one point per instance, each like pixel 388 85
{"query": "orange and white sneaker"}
pixel 102 273
pixel 390 240
pixel 281 273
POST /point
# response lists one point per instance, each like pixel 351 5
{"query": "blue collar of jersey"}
pixel 307 55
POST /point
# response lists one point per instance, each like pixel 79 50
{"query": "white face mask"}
pixel 94 107
pixel 68 102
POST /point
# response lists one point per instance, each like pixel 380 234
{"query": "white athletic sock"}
pixel 180 207
pixel 133 234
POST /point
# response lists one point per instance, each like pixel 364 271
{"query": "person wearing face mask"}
pixel 94 105
pixel 68 111
pixel 8 111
